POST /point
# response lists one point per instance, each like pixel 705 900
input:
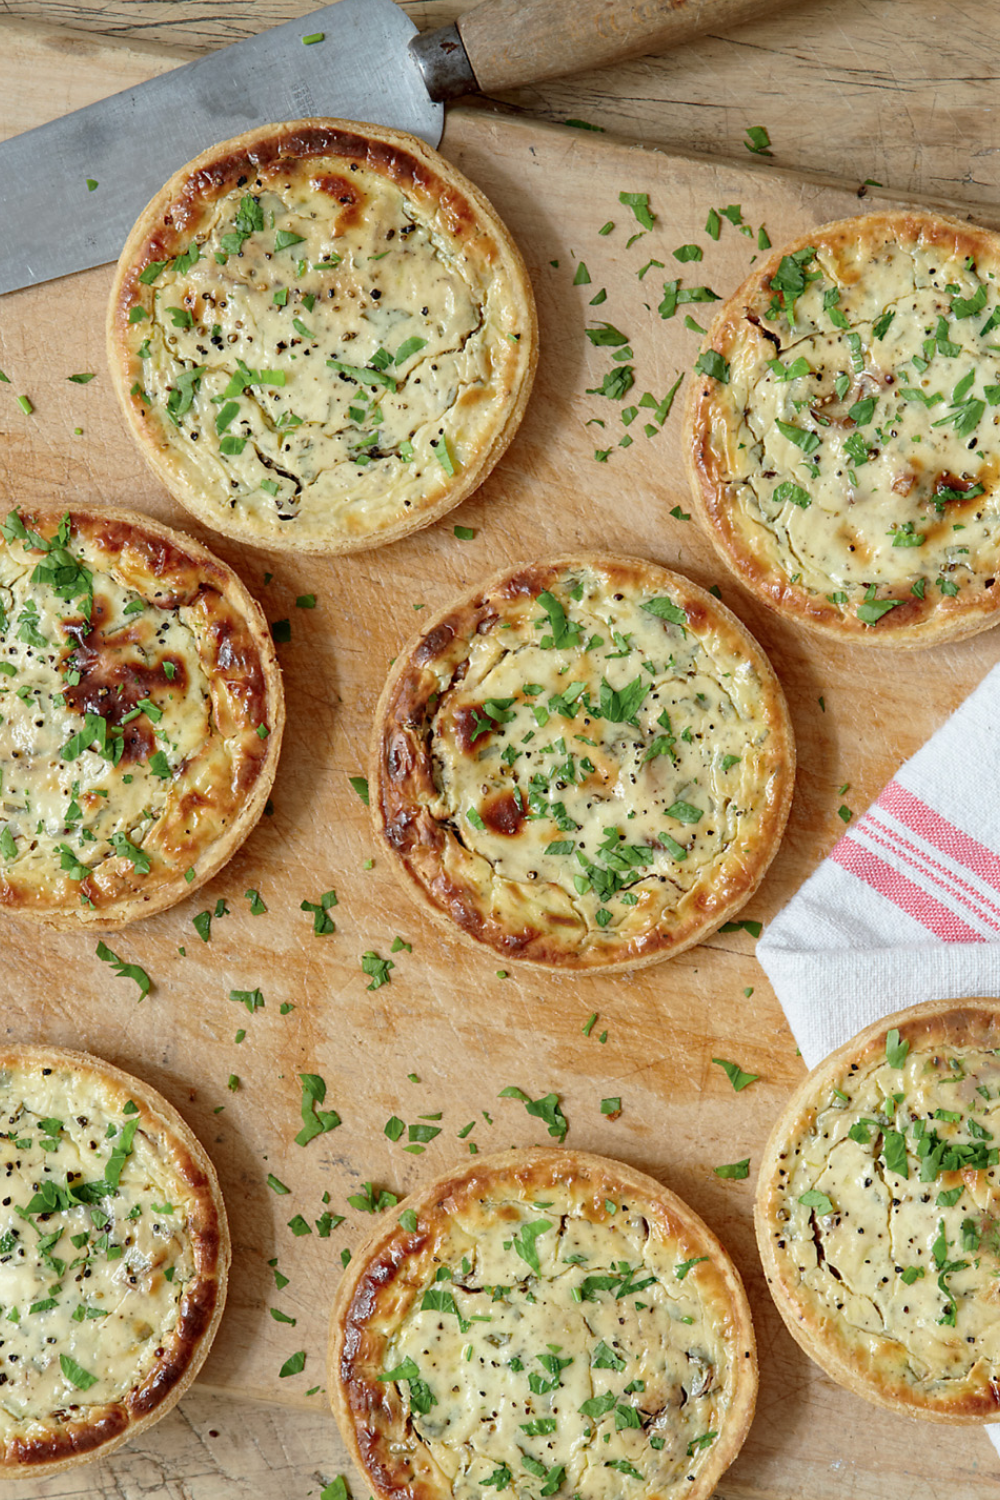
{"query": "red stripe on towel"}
pixel 929 872
pixel 930 825
pixel 902 892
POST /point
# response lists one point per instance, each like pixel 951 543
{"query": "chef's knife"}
pixel 357 59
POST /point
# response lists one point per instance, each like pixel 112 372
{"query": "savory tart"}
pixel 584 763
pixel 114 1253
pixel 547 1323
pixel 843 437
pixel 878 1212
pixel 322 336
pixel 140 716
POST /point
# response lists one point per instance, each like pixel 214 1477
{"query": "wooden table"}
pixel 895 90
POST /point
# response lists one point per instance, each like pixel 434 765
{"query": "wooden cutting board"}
pixel 447 1034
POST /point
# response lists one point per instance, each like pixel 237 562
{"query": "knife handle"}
pixel 501 44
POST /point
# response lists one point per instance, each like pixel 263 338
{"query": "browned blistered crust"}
pixel 79 1435
pixel 427 852
pixel 710 428
pixel 928 1028
pixel 393 1265
pixel 319 151
pixel 202 827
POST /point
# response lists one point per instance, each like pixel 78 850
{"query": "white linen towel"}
pixel 907 905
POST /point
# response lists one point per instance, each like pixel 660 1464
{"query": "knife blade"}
pixel 356 59
pixel 50 223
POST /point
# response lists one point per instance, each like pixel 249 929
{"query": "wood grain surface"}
pixel 899 90
pixel 446 1017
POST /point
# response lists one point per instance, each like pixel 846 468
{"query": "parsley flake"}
pixel 316 1121
pixel 546 1108
pixel 735 1074
pixel 76 1374
pixel 124 970
pixel 377 969
pixel 323 923
pixel 736 1170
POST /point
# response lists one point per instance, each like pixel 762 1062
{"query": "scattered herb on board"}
pixel 754 928
pixel 124 970
pixel 546 1108
pixel 316 1121
pixel 323 923
pixel 758 141
pixel 336 1489
pixel 639 204
pixel 736 1170
pixel 253 1000
pixel 377 969
pixel 735 1074
pixel 372 1202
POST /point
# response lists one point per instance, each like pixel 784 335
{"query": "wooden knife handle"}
pixel 513 42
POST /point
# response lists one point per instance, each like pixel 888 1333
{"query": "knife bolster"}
pixel 444 63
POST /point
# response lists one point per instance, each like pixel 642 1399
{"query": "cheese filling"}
pixel 890 1217
pixel 322 353
pixel 563 1356
pixel 94 1252
pixel 867 444
pixel 597 746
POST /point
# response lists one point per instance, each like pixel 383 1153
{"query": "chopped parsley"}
pixel 316 1121
pixel 736 1170
pixel 525 1245
pixel 735 1074
pixel 758 141
pixel 76 1374
pixel 124 970
pixel 323 923
pixel 546 1108
pixel 371 1202
pixel 377 969
pixel 421 1396
pixel 360 785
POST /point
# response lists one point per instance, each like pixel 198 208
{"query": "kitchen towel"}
pixel 907 905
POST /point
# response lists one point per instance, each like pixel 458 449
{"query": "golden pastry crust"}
pixel 873 511
pixel 113 1274
pixel 890 1282
pixel 288 248
pixel 585 763
pixel 499 1339
pixel 141 721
